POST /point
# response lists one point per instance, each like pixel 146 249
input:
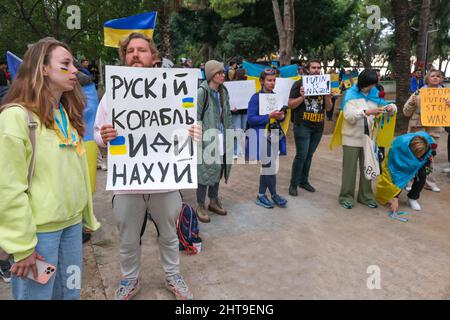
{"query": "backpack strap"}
pixel 32 125
pixel 205 103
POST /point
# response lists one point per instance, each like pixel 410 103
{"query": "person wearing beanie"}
pixel 214 115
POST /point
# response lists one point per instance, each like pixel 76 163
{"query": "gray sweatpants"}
pixel 129 211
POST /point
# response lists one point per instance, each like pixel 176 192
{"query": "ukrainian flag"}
pixel 117 29
pixel 188 103
pixel 117 146
pixel 90 110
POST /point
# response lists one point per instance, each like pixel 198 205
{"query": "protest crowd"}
pixel 46 184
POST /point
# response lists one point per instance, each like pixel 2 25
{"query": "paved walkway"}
pixel 314 249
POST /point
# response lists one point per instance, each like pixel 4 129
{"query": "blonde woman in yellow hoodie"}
pixel 44 221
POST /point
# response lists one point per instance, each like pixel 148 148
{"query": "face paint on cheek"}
pixel 64 70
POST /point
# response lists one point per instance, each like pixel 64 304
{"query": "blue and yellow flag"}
pixel 400 166
pixel 89 113
pixel 117 29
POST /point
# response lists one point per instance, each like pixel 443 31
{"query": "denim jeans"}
pixel 306 142
pixel 239 123
pixel 64 250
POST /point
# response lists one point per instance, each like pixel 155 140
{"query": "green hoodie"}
pixel 60 195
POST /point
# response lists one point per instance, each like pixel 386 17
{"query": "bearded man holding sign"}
pixel 130 207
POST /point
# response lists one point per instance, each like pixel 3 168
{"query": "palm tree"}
pixel 402 40
pixel 425 20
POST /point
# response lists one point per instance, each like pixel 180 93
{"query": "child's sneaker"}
pixel 279 200
pixel 262 200
pixel 5 271
pixel 127 289
pixel 179 288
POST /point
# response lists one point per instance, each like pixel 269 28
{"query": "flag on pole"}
pixel 117 29
pixel 13 63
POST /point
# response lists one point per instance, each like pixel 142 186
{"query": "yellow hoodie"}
pixel 60 194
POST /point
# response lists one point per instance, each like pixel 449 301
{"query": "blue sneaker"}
pixel 279 200
pixel 264 202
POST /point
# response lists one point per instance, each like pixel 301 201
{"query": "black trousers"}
pixel 418 184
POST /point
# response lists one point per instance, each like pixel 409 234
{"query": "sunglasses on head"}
pixel 270 71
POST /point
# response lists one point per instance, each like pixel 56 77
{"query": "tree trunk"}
pixel 401 63
pixel 163 15
pixel 285 29
pixel 423 28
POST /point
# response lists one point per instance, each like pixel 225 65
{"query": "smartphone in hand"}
pixel 45 272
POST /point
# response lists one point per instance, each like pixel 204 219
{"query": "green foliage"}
pixel 229 8
pixel 242 42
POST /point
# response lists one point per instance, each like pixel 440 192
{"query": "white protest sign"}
pixel 317 85
pixel 152 109
pixel 269 102
pixel 283 88
pixel 240 92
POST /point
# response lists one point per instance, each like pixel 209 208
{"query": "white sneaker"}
pixel 432 186
pixel 446 170
pixel 414 204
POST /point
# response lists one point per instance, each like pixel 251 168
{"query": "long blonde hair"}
pixel 31 89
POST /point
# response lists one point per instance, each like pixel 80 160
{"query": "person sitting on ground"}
pixel 269 141
pixel 409 158
pixel 411 110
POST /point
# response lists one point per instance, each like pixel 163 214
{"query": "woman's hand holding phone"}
pixel 23 267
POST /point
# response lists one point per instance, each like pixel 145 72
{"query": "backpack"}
pixel 32 125
pixel 187 229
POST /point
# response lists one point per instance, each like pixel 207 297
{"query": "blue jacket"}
pixel 414 86
pixel 258 123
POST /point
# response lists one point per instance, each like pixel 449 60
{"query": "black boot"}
pixel 293 191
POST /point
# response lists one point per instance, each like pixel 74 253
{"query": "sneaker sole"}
pixel 177 297
pixel 7 280
pixel 132 294
pixel 263 205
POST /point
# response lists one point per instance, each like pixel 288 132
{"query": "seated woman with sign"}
pixel 412 111
pixel 266 138
pixel 409 158
pixel 360 102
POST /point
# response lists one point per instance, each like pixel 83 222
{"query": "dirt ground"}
pixel 314 249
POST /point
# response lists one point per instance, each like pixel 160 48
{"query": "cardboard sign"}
pixel 317 85
pixel 283 88
pixel 269 102
pixel 152 110
pixel 240 92
pixel 434 111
